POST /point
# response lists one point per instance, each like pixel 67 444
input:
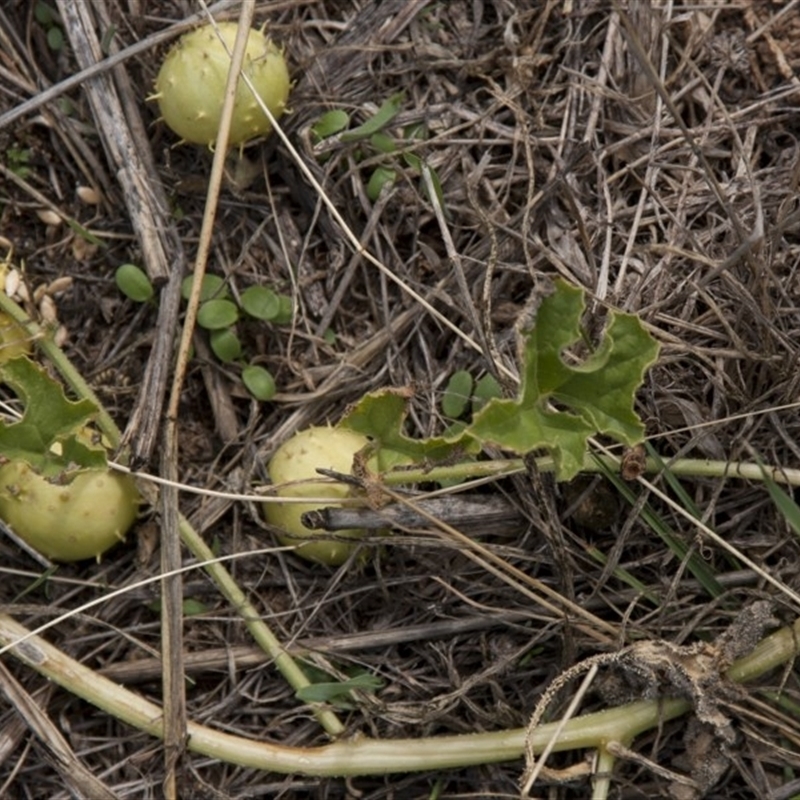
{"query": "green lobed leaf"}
pixel 381 415
pixel 561 405
pixel 49 436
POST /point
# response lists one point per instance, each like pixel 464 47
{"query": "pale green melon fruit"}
pixel 70 522
pixel 191 85
pixel 14 341
pixel 298 459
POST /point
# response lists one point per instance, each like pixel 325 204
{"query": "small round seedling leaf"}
pixel 55 39
pixel 261 303
pixel 413 161
pixel 330 123
pixel 259 382
pixel 212 287
pixel 216 314
pixel 383 143
pixel 134 283
pixel 45 15
pixel 192 607
pixel 457 394
pixel 382 176
pixel 485 390
pixel 417 131
pixel 286 313
pixel 225 344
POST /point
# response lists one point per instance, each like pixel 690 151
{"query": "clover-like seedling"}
pixel 217 314
pixel 397 153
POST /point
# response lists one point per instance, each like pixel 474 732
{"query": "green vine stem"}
pixel 363 756
pixel 691 467
pixel 259 630
pixel 603 770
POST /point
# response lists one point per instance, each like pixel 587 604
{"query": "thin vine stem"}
pixel 595 463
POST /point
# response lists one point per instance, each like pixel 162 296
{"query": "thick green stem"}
pixel 259 630
pixel 601 785
pixel 363 756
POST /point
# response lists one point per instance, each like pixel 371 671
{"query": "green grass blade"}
pixel 625 576
pixel 698 568
pixel 783 501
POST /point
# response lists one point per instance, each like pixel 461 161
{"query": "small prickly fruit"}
pixel 14 341
pixel 191 85
pixel 70 522
pixel 298 459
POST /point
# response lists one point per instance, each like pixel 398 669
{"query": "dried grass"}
pixel 668 191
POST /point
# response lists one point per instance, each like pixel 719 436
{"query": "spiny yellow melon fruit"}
pixel 191 85
pixel 298 459
pixel 72 521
